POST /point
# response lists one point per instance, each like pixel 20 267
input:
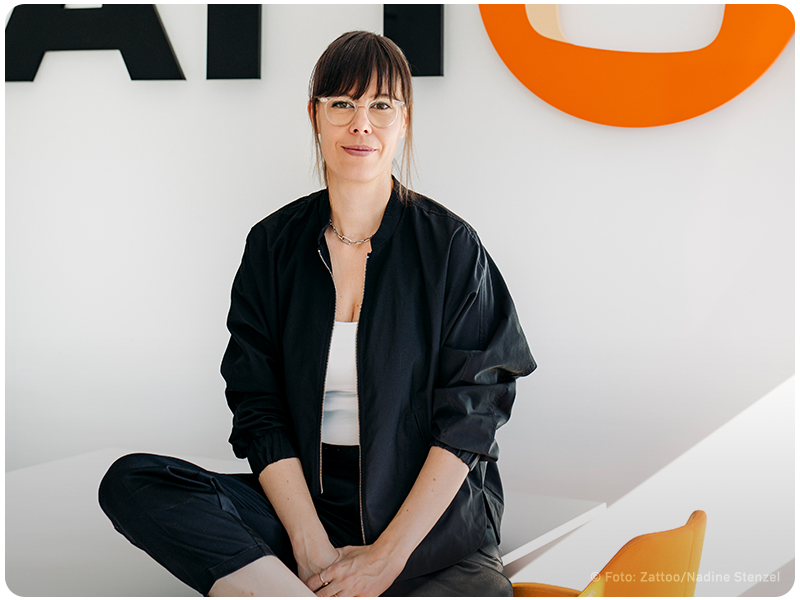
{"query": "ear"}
pixel 405 123
pixel 310 108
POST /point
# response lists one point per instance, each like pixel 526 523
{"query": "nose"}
pixel 360 122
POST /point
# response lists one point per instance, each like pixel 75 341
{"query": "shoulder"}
pixel 429 214
pixel 287 220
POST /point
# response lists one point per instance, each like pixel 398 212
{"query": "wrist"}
pixel 308 541
pixel 392 550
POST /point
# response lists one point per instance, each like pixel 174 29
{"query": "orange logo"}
pixel 640 89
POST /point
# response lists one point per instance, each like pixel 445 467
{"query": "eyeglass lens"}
pixel 342 111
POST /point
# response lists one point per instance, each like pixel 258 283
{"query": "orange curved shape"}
pixel 641 89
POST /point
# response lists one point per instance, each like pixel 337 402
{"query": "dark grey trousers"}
pixel 478 575
pixel 202 525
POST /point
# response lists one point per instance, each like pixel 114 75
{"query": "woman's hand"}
pixel 312 560
pixel 286 489
pixel 360 571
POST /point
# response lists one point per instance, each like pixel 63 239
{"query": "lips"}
pixel 358 150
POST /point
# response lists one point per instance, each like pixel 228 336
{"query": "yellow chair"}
pixel 654 564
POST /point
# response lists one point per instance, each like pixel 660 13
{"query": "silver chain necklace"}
pixel 346 239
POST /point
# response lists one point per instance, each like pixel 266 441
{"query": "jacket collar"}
pixel 391 215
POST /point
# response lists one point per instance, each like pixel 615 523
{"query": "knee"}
pixel 504 587
pixel 116 487
pixel 493 584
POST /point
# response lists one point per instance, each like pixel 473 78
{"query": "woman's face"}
pixel 359 152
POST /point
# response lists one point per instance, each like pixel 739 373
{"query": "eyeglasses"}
pixel 341 110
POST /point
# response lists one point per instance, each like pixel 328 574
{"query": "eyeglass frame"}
pixel 326 99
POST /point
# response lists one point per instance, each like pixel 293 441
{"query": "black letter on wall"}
pixel 133 29
pixel 419 31
pixel 234 41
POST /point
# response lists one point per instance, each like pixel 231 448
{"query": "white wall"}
pixel 653 269
pixel 741 476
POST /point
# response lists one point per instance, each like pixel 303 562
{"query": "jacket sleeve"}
pixel 262 428
pixel 484 351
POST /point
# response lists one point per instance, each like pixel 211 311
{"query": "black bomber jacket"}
pixel 438 349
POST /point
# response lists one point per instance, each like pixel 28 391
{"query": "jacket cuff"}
pixel 468 458
pixel 269 449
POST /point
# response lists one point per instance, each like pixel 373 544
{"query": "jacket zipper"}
pixel 358 409
pixel 327 360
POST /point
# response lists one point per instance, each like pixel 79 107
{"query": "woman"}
pixel 373 353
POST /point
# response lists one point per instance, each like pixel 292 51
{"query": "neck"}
pixel 357 207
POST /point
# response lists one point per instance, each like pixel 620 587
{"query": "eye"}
pixel 381 105
pixel 341 104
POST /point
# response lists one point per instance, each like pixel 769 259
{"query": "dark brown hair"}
pixel 347 68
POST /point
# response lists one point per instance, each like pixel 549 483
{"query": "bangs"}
pixel 348 69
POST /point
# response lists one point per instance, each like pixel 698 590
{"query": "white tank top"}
pixel 340 409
